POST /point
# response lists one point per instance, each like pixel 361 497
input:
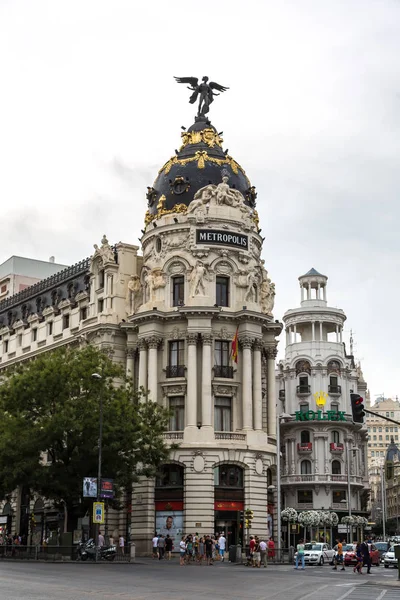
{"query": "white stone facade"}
pixel 314 466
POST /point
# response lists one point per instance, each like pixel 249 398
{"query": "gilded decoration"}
pixel 206 136
pixel 161 210
pixel 201 157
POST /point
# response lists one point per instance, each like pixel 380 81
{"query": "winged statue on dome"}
pixel 204 91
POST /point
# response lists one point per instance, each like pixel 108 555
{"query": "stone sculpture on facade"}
pixel 219 195
pixel 251 284
pixel 134 295
pixel 152 281
pixel 198 277
pixel 105 252
pixel 267 294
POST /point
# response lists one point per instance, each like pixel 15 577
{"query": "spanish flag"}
pixel 235 347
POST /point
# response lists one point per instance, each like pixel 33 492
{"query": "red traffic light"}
pixel 357 408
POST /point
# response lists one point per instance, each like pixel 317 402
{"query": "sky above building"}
pixel 89 111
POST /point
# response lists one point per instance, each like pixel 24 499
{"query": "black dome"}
pixel 199 162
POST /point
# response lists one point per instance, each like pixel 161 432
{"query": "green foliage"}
pixel 51 407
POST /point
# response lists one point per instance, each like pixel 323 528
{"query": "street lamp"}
pixel 99 378
pixel 278 477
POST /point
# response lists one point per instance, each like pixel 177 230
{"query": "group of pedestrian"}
pixel 162 547
pixel 363 557
pixel 199 549
pixel 260 551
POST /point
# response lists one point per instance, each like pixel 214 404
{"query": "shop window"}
pixel 178 290
pixel 177 409
pixel 305 467
pixel 338 496
pixel 176 367
pixel 222 291
pixel 223 414
pixel 228 476
pixel 221 359
pixel 336 467
pixel 304 496
pixel 305 437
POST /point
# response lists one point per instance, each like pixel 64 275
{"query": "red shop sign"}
pixel 169 505
pixel 228 505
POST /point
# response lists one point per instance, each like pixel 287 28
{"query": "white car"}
pixel 317 554
pixel 390 559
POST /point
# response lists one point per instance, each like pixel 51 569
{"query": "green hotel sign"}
pixel 312 415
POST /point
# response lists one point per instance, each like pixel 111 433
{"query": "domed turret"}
pixel 200 161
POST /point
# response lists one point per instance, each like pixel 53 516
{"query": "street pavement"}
pixel 152 580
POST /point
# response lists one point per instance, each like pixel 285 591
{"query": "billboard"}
pixel 90 487
pixel 170 522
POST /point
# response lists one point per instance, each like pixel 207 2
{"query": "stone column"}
pixel 142 364
pixel 320 331
pixel 341 334
pixel 191 396
pixel 257 388
pixel 313 330
pixel 292 458
pixel 153 343
pixel 130 361
pixel 247 399
pixel 287 336
pixel 324 292
pixel 337 333
pixel 287 457
pixel 271 394
pixel 206 393
pixel 319 292
pixel 294 334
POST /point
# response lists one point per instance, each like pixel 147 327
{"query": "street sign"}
pixel 98 513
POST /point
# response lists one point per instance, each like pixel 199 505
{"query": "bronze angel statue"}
pixel 204 91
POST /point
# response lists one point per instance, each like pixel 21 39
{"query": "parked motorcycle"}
pixel 87 550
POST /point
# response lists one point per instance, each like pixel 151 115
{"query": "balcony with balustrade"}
pixel 224 371
pixel 335 390
pixel 175 371
pixel 304 447
pixel 321 478
pixel 230 436
pixel 303 390
pixel 336 448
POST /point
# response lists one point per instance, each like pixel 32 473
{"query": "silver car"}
pixel 390 559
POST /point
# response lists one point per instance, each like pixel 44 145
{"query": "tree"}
pixel 50 426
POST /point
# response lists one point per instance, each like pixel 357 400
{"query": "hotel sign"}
pixel 222 238
pixel 312 415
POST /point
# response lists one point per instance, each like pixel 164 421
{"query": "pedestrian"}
pixel 121 543
pixel 208 544
pixel 256 553
pixel 339 558
pixel 189 549
pixel 222 546
pixel 182 551
pixel 359 558
pixel 263 553
pixel 252 545
pixel 168 547
pixel 271 548
pixel 101 540
pixel 154 542
pixel 161 547
pixel 366 557
pixel 300 555
pixel 201 550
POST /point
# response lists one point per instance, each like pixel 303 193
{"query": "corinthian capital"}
pixel 154 341
pixel 192 338
pixel 206 338
pixel 246 341
pixel 271 351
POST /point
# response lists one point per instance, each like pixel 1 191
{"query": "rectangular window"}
pixel 101 279
pixel 222 351
pixel 374 429
pixel 83 313
pixel 380 438
pixel 34 335
pixel 338 496
pixel 50 328
pixel 372 452
pixel 222 291
pixel 19 340
pixel 177 418
pixel 65 321
pixel 304 408
pixel 392 414
pixel 387 429
pixel 100 305
pixel 176 359
pixel 223 414
pixel 5 346
pixel 3 289
pixel 178 290
pixel 380 429
pixel 387 438
pixel 304 496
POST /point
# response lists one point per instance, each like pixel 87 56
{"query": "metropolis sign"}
pixel 222 238
pixel 312 415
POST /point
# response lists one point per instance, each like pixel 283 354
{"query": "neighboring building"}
pixel 170 317
pixel 317 375
pixel 380 431
pixel 18 273
pixel 392 477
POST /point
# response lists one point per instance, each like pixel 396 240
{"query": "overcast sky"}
pixel 89 111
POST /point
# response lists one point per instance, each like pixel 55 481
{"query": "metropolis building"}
pixel 170 310
pixel 322 450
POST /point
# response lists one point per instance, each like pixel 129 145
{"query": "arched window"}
pixel 39 505
pixel 336 467
pixel 170 476
pixel 228 476
pixel 335 437
pixel 305 467
pixel 7 510
pixel 305 437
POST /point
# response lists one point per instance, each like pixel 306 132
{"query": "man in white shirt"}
pixel 101 540
pixel 263 553
pixel 155 546
pixel 222 545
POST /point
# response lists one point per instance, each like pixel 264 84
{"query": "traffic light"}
pixel 357 408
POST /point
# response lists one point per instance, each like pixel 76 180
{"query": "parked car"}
pixel 390 559
pixel 351 559
pixel 317 554
pixel 382 547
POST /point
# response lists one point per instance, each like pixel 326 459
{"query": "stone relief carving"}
pixel 152 281
pixel 105 252
pixel 197 279
pixel 251 286
pixel 133 295
pixel 267 294
pixel 220 194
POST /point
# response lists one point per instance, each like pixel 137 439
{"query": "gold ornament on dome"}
pixel 201 157
pixel 206 136
pixel 161 210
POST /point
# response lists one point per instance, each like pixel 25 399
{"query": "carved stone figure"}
pixel 202 197
pixel 105 251
pixel 267 295
pixel 250 295
pixel 134 295
pixel 197 279
pixel 204 91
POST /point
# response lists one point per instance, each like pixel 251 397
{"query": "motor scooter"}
pixel 87 550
